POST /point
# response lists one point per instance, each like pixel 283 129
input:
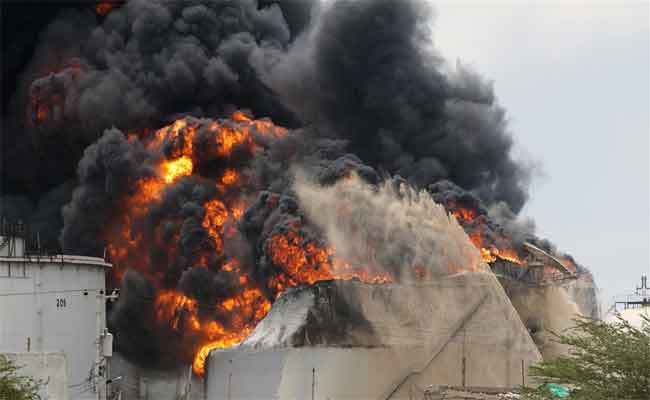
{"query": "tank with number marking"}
pixel 49 304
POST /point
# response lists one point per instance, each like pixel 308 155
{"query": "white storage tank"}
pixel 53 304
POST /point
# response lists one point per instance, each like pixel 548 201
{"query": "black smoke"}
pixel 139 67
pixel 362 71
pixel 358 83
pixel 366 73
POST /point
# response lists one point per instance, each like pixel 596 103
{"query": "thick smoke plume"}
pixel 138 123
pixel 362 71
pixel 140 66
pixel 366 72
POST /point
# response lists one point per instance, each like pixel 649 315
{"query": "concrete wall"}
pixel 585 294
pixel 551 308
pixel 139 383
pixel 49 368
pixel 459 328
pixel 49 304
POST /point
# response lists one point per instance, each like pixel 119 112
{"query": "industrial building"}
pixel 53 317
pixel 331 340
pixel 632 307
pixel 349 340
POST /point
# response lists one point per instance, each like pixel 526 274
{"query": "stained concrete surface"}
pixel 456 330
pixel 549 308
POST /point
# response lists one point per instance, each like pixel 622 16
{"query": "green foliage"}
pixel 606 361
pixel 14 386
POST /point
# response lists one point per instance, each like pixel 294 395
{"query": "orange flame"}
pixel 104 7
pixel 466 214
pixel 197 324
pixel 306 263
pixel 181 313
pixel 228 321
pixel 216 215
pixel 176 168
pixel 489 252
pixel 302 263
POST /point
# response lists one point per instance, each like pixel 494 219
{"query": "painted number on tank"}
pixel 60 303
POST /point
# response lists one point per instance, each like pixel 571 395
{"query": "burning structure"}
pixel 228 152
pixel 442 318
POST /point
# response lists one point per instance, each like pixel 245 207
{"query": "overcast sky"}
pixel 574 79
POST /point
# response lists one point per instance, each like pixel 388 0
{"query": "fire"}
pixel 104 7
pixel 466 214
pixel 490 253
pixel 419 272
pixel 181 313
pixel 216 215
pixel 304 262
pixel 228 139
pixel 177 168
pixel 569 264
pixel 149 234
pixel 229 177
pixel 175 154
pixel 170 307
pixel 237 210
pixel 491 250
pixel 44 105
pixel 508 255
pixel 240 116
pixel 42 111
pixel 495 246
pixel 47 94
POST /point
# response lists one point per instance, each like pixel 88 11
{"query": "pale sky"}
pixel 574 77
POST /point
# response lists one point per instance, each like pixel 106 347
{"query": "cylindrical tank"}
pixel 50 304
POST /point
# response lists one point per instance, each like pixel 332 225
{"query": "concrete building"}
pixel 348 340
pixel 54 304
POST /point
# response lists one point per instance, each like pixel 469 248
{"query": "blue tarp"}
pixel 556 390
